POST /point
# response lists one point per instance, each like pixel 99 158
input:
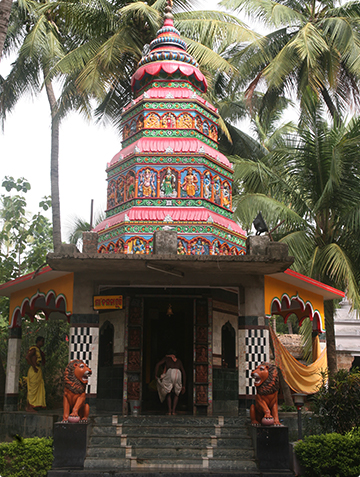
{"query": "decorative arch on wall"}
pixel 47 303
pixel 287 306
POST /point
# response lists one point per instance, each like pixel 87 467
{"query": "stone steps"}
pixel 170 443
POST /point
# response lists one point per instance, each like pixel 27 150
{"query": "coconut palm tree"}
pixel 110 56
pixel 5 9
pixel 312 47
pixel 312 183
pixel 41 37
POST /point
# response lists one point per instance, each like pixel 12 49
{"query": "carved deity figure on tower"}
pixel 168 184
pixel 190 183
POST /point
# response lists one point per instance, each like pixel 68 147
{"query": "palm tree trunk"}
pixel 330 337
pixel 54 166
pixel 5 9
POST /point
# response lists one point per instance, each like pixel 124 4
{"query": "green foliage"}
pixel 24 241
pixel 291 326
pixel 330 455
pixel 337 402
pixel 56 349
pixel 30 457
pixel 285 408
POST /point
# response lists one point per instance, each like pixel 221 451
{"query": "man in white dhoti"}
pixel 173 378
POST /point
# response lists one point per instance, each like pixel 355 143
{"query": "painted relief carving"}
pixel 126 131
pixel 213 132
pixel 189 183
pixel 120 187
pixel 198 123
pixel 201 394
pixel 185 121
pixel 182 247
pixel 217 190
pixel 152 121
pixel 130 185
pixel 134 361
pixel 133 127
pixel 216 247
pixel 201 374
pixel 111 247
pixel 226 195
pixel 134 338
pixel 225 249
pixel 199 247
pixel 201 333
pixel 133 390
pixel 137 246
pixel 205 128
pixel 120 246
pixel 111 194
pixel 201 354
pixel 147 183
pixel 168 121
pixel 140 123
pixel 207 185
pixel 168 183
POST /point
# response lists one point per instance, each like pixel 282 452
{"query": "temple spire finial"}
pixel 168 10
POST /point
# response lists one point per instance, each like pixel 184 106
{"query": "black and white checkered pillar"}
pixel 253 340
pixel 84 345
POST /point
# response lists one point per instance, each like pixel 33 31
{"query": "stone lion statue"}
pixel 76 378
pixel 265 410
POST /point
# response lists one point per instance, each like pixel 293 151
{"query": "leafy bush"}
pixel 286 408
pixel 26 457
pixel 337 402
pixel 330 455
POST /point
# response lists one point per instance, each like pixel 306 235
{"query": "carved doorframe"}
pixel 203 356
pixel 133 353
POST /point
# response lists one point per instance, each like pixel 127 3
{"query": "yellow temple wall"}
pixel 60 286
pixel 274 288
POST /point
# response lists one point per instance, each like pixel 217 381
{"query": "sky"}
pixel 85 150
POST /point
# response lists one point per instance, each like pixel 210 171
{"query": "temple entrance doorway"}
pixel 168 323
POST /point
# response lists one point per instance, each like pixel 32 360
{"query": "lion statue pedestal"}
pixel 76 378
pixel 265 410
pixel 70 435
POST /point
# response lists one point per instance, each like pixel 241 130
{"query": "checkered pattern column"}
pixel 256 351
pixel 84 345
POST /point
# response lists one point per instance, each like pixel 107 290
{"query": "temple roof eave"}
pixel 157 145
pixel 146 214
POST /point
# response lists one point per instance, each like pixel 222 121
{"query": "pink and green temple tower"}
pixel 169 173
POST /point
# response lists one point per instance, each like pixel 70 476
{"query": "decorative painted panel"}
pixel 190 183
pixel 168 182
pixel 147 183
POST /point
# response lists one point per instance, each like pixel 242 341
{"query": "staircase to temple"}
pixel 171 443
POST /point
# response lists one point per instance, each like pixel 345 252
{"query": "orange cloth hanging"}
pixel 301 378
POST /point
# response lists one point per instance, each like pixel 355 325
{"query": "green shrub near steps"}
pixel 330 455
pixel 31 457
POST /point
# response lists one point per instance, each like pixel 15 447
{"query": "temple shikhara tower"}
pixel 169 172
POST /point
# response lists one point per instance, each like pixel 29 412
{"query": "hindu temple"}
pixel 169 266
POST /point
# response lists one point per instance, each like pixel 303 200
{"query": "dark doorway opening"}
pixel 168 323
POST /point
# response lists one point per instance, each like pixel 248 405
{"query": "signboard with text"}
pixel 108 302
